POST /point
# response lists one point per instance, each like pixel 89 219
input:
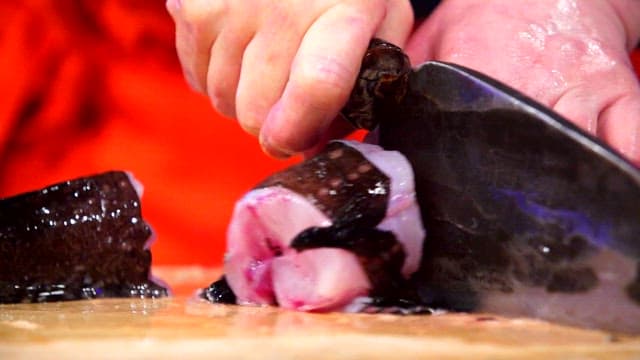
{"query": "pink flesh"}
pixel 263 220
pixel 262 269
pixel 139 188
pixel 137 185
pixel 318 279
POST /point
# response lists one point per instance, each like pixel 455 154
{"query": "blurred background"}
pixel 95 85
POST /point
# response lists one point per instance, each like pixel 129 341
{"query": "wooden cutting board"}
pixel 183 326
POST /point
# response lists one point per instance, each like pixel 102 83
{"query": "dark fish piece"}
pixel 331 180
pixel 79 239
pixel 219 292
pixel 315 236
pixel 526 213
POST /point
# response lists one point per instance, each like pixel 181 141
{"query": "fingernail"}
pixel 271 149
pixel 269 127
pixel 251 130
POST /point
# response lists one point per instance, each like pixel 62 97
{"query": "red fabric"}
pixel 94 85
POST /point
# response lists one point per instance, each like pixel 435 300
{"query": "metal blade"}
pixel 511 193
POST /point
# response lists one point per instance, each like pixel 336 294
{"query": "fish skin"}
pixel 79 239
pixel 333 204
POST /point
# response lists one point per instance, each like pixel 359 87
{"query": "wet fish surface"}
pixel 79 239
pixel 322 233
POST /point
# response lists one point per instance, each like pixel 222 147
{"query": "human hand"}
pixel 570 55
pixel 283 68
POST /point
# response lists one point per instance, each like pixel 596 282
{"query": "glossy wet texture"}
pixel 382 80
pixel 317 235
pixel 341 183
pixel 182 326
pixel 84 238
pixel 219 292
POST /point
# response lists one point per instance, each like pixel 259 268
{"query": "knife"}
pixel 526 214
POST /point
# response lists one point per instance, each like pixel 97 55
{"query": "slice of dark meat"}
pixel 79 239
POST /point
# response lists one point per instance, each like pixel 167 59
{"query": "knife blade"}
pixel 526 214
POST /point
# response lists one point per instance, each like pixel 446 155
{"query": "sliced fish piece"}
pixel 79 239
pixel 348 187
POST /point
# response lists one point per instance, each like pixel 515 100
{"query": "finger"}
pixel 322 75
pixel 427 36
pixel 607 106
pixel 265 65
pixel 397 23
pixel 225 66
pixel 581 106
pixel 620 125
pixel 584 100
pixel 197 24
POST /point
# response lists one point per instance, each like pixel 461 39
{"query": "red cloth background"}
pixel 94 85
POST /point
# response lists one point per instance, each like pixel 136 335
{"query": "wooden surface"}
pixel 183 326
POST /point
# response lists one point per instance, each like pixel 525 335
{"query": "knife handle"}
pixel 382 81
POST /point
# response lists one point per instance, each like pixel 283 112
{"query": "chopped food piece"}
pixel 79 239
pixel 317 235
pixel 219 292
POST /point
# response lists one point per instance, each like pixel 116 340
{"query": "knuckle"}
pixel 324 76
pixel 363 15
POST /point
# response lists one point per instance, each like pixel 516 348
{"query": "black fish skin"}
pixel 379 253
pixel 341 183
pixel 382 258
pixel 354 194
pixel 79 239
pixel 219 292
